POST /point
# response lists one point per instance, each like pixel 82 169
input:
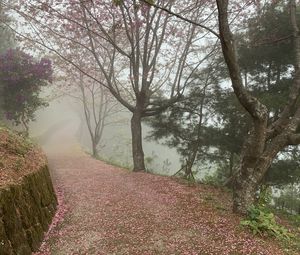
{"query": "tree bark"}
pixel 264 141
pixel 257 153
pixel 243 193
pixel 137 146
pixel 253 167
pixel 245 182
pixel 94 148
pixel 192 157
pixel 231 164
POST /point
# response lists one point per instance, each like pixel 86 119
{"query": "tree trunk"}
pixel 137 147
pixel 253 166
pixel 244 191
pixel 95 150
pixel 188 168
pixel 231 164
pixel 191 160
pixel 248 180
pixel 26 128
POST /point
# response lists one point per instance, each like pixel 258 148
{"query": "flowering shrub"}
pixel 21 80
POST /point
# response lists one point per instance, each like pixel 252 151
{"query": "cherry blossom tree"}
pixel 151 55
pixel 159 49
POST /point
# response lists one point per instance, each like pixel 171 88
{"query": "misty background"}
pixel 64 120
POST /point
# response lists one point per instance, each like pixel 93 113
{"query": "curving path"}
pixel 107 210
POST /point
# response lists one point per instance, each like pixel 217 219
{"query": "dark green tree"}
pixel 265 56
pixel 265 63
pixel 185 125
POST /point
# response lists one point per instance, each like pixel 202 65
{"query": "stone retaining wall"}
pixel 26 210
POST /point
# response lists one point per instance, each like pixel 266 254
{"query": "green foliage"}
pixel 149 162
pixel 261 221
pixel 285 171
pixel 289 200
pixel 265 60
pixel 266 56
pixel 265 46
pixel 185 126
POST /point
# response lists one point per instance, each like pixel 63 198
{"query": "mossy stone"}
pixel 5 245
pixel 26 210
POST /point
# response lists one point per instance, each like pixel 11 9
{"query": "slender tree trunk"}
pixel 26 128
pixel 229 181
pixel 137 146
pixel 231 164
pixel 94 148
pixel 191 160
pixel 188 167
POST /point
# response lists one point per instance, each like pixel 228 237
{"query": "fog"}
pixel 61 127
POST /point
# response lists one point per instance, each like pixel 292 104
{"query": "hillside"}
pixel 18 157
pixel 27 198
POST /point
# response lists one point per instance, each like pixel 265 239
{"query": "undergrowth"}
pixel 262 221
pixel 15 143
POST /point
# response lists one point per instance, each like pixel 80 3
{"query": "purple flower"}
pixel 19 68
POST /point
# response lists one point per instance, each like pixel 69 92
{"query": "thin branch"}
pixel 181 17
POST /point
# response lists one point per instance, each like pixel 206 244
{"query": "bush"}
pixel 261 221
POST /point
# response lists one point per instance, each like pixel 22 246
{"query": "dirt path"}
pixel 113 211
